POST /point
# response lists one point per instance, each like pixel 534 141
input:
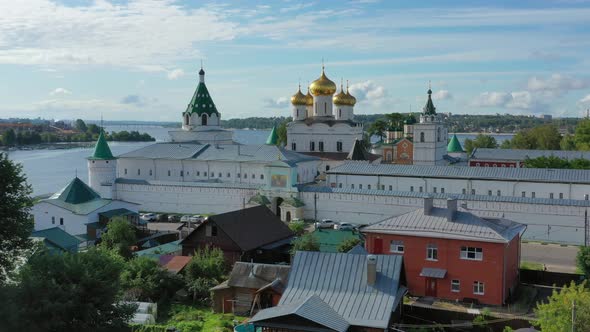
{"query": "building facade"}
pixel 430 136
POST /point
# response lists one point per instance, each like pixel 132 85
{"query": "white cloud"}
pixel 277 103
pixel 556 84
pixel 585 100
pixel 60 92
pixel 175 74
pixel 143 34
pixel 442 95
pixel 522 100
pixel 137 100
pixel 368 91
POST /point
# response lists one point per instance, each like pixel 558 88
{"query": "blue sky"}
pixel 138 59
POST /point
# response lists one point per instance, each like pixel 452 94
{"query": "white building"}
pixel 323 122
pixel 430 136
pixel 73 207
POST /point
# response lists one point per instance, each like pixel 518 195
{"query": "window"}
pixel 396 246
pixel 360 186
pixel 369 186
pixel 312 146
pixel 442 190
pixel 253 176
pixel 181 173
pixel 472 253
pixel 421 137
pixel 412 188
pixel 472 191
pixel 339 146
pixel 125 171
pixel 498 193
pixel 138 171
pixel 432 252
pixel 523 194
pixel 551 195
pixel 61 221
pixel 293 146
pixel 434 190
pixel 261 176
pixel 560 195
pixel 455 286
pixel 352 186
pixel 321 146
pixel 204 173
pixel 327 168
pixel 489 193
pixel 228 174
pixel 219 174
pixel 464 191
pixel 340 185
pixel 586 196
pixel 211 230
pixel 238 175
pixel 390 187
pixel 199 173
pixel 438 136
pixel 533 194
pixel 151 172
pixel 53 220
pixel 421 189
pixel 168 172
pixel 478 288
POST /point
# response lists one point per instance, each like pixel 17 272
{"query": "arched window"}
pixel 438 136
pixel 204 119
pixel 297 110
pixel 186 118
pixel 325 108
pixel 339 113
pixel 422 137
pixel 312 146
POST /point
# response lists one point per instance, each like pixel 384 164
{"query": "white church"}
pixel 202 170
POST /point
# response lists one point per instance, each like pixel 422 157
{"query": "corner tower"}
pixel 102 168
pixel 430 136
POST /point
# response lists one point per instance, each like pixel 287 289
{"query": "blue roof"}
pixel 58 238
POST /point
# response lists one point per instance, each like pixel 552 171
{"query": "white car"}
pixel 344 226
pixel 185 218
pixel 148 217
pixel 196 218
pixel 326 223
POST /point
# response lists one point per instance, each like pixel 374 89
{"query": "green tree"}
pixel 297 227
pixel 307 242
pixel 80 125
pixel 377 128
pixel 583 260
pixel 568 142
pixel 205 270
pixel 93 129
pixel 480 141
pixel 556 314
pixel 580 163
pixel 70 292
pixel 348 244
pixel 546 162
pixel 582 135
pixel 395 119
pixel 282 134
pixel 16 222
pixel 143 279
pixel 9 137
pixel 120 236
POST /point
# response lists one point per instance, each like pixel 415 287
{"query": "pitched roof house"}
pixel 253 233
pixel 57 240
pixel 337 292
pixel 250 287
pixel 452 254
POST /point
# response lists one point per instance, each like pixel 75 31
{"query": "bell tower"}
pixel 430 136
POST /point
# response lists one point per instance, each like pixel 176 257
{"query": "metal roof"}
pixel 432 272
pixel 311 308
pixel 358 250
pixel 58 238
pixel 101 149
pixel 413 194
pixel 163 249
pixel 521 154
pixel 256 275
pixel 340 280
pixel 234 152
pixel 462 172
pixel 75 192
pixel 464 225
pixel 212 184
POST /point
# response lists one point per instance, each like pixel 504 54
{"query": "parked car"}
pixel 326 223
pixel 148 217
pixel 185 218
pixel 173 218
pixel 345 226
pixel 196 218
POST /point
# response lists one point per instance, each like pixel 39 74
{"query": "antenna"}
pixel 429 85
pixel 201 63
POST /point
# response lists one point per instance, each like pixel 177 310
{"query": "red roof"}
pixel 174 264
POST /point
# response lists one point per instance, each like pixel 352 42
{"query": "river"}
pixel 49 170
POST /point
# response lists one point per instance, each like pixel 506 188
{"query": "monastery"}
pixel 325 172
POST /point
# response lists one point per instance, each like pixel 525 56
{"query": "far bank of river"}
pixel 49 170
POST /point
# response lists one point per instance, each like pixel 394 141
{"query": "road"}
pixel 554 256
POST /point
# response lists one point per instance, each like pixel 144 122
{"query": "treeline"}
pixel 255 122
pixel 556 162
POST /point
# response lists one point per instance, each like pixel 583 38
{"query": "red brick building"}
pixel 452 254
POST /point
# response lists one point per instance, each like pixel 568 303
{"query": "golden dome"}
pixel 341 98
pixel 351 98
pixel 299 98
pixel 309 98
pixel 322 86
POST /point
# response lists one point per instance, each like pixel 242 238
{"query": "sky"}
pixel 138 59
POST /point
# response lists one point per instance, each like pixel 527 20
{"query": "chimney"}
pixel 451 208
pixel 371 269
pixel 428 203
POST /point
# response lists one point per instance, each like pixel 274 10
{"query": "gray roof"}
pixel 230 152
pixel 340 280
pixel 432 272
pixel 521 154
pixel 256 276
pixel 211 184
pixel 462 172
pixel 414 194
pixel 311 308
pixel 358 250
pixel 464 226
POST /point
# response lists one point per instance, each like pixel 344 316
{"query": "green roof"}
pixel 259 199
pixel 429 108
pixel 454 145
pixel 101 149
pixel 330 239
pixel 294 202
pixel 410 120
pixel 117 213
pixel 78 198
pixel 58 238
pixel 273 138
pixel 163 249
pixel 201 101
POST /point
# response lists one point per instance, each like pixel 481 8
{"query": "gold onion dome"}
pixel 309 98
pixel 351 98
pixel 341 98
pixel 323 86
pixel 299 98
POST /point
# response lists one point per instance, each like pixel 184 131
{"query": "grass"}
pixel 531 266
pixel 187 318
